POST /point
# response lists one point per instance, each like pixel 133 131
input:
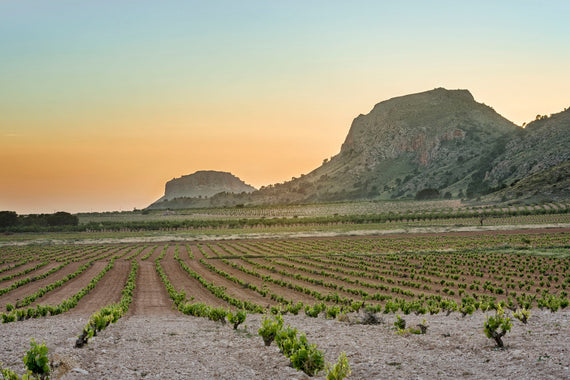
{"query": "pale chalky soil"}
pixel 183 347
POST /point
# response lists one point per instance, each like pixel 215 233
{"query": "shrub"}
pixel 7 318
pixel 356 305
pixel 400 323
pixel 423 327
pixel 217 314
pixel 275 310
pixel 522 315
pixel 270 327
pixel 287 341
pixel 370 317
pixel 340 370
pixel 332 311
pixel 314 311
pixel 36 360
pixel 309 360
pixel 492 325
pixel 294 309
pixel 236 318
pixel 428 193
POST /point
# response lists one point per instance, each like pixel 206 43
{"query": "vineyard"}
pixel 349 283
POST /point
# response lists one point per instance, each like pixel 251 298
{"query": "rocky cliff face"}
pixel 413 123
pixel 203 184
pixel 419 123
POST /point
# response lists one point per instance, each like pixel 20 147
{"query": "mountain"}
pixel 438 142
pixel 441 139
pixel 201 185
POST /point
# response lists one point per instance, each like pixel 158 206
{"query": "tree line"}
pixel 10 220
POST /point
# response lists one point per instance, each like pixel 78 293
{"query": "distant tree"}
pixel 8 219
pixel 62 218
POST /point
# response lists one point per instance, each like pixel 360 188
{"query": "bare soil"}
pixel 108 290
pixel 175 346
pixel 20 269
pixel 67 290
pixel 19 293
pixel 150 296
pixel 232 288
pixel 180 279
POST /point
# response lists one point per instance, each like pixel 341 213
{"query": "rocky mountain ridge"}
pixel 439 139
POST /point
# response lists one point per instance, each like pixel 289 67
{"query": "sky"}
pixel 102 102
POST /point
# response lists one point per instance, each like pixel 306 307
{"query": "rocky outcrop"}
pixel 204 184
pixel 419 123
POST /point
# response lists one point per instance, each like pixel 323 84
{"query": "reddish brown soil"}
pixel 67 290
pixel 118 251
pixel 144 252
pixel 108 289
pixel 32 287
pixel 17 270
pixel 155 254
pixel 6 265
pixel 150 296
pixel 274 288
pixel 232 289
pixel 305 284
pixel 181 280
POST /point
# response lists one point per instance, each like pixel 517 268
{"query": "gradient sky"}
pixel 102 102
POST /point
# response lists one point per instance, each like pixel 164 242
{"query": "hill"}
pixel 200 185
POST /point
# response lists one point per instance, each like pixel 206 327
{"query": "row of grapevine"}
pixel 65 305
pixel 110 313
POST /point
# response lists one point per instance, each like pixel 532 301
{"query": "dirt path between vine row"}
pixel 36 272
pixel 20 269
pixel 285 292
pixel 180 279
pixel 150 296
pixel 67 290
pixel 157 252
pixel 274 288
pixel 107 290
pixel 232 289
pixel 17 294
